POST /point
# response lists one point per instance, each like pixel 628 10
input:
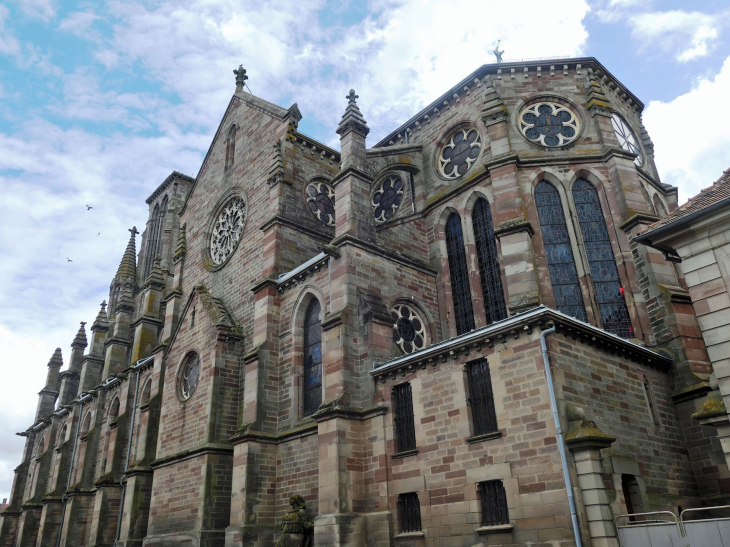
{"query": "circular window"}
pixel 189 376
pixel 227 230
pixel 549 124
pixel 320 198
pixel 459 153
pixel 387 198
pixel 409 330
pixel 626 137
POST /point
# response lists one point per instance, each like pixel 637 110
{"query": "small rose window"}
pixel 320 199
pixel 387 198
pixel 189 376
pixel 626 137
pixel 459 153
pixel 409 330
pixel 227 230
pixel 549 124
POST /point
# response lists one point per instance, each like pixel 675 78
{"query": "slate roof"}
pixel 716 193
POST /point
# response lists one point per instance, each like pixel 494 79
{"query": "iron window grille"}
pixel 312 388
pixel 606 281
pixel 409 512
pixel 460 291
pixel 405 430
pixel 558 252
pixel 494 503
pixel 481 397
pixel 489 272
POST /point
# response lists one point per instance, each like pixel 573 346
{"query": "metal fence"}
pixel 697 527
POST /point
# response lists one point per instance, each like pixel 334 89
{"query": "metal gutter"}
pixel 311 262
pixel 645 237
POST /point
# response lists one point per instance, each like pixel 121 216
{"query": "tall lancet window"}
pixel 606 282
pixel 230 147
pixel 312 385
pixel 489 271
pixel 154 239
pixel 558 252
pixel 460 291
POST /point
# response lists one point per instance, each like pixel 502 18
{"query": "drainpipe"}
pixel 561 445
pixel 82 399
pixel 129 446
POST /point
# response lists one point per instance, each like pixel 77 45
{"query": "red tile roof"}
pixel 719 191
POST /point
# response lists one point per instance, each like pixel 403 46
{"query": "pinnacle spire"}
pixel 155 278
pixel 101 320
pixel 352 119
pixel 56 359
pixel 493 110
pixel 125 302
pixel 182 245
pixel 128 266
pixel 80 339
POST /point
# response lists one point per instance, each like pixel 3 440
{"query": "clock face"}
pixel 387 198
pixel 626 137
pixel 459 153
pixel 549 124
pixel 320 198
pixel 227 230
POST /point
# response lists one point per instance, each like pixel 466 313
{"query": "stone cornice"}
pixel 513 327
pixel 147 319
pixel 354 171
pixel 513 226
pixel 247 433
pixel 347 239
pixel 208 448
pixel 283 221
pixel 638 217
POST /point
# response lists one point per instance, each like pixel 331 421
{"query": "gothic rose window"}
pixel 227 230
pixel 459 153
pixel 387 198
pixel 626 137
pixel 409 330
pixel 320 199
pixel 549 124
pixel 189 376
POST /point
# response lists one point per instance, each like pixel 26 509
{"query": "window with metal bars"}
pixel 312 385
pixel 606 281
pixel 489 272
pixel 494 503
pixel 460 291
pixel 409 512
pixel 405 429
pixel 481 398
pixel 558 252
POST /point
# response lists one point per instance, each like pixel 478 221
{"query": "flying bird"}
pixel 97 235
pixel 69 260
pixel 89 207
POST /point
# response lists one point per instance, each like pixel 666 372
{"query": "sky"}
pixel 100 101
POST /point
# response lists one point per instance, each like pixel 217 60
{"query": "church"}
pixel 449 337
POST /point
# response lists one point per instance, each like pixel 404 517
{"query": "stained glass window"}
pixel 227 230
pixel 460 291
pixel 489 272
pixel 312 389
pixel 409 330
pixel 606 282
pixel 189 376
pixel 549 124
pixel 626 137
pixel 155 231
pixel 558 252
pixel 459 153
pixel 387 198
pixel 320 199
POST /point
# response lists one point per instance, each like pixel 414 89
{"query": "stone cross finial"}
pixel 497 53
pixel 83 324
pixel 241 77
pixel 103 306
pixel 133 230
pixel 351 96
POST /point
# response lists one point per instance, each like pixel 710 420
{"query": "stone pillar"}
pixel 148 325
pixel 70 378
pixel 94 360
pixel 117 346
pixel 48 395
pixel 173 302
pixel 585 441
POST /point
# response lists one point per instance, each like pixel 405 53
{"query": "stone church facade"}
pixel 365 328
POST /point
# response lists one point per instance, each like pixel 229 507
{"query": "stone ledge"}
pixel 485 437
pixel 513 226
pixel 498 529
pixel 405 454
pixel 411 535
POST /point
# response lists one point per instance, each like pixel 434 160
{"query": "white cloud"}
pixel 9 45
pixel 686 35
pixel 80 24
pixel 691 142
pixel 39 9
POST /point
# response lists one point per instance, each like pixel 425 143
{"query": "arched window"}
pixel 489 271
pixel 558 252
pixel 87 423
pixel 230 147
pixel 606 282
pixel 146 392
pixel 116 292
pixel 61 435
pixel 113 410
pixel 312 386
pixel 460 291
pixel 659 206
pixel 156 232
pixel 650 401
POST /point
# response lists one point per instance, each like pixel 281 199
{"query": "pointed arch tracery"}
pixel 559 252
pixel 312 385
pixel 230 147
pixel 489 270
pixel 154 238
pixel 606 281
pixel 460 290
